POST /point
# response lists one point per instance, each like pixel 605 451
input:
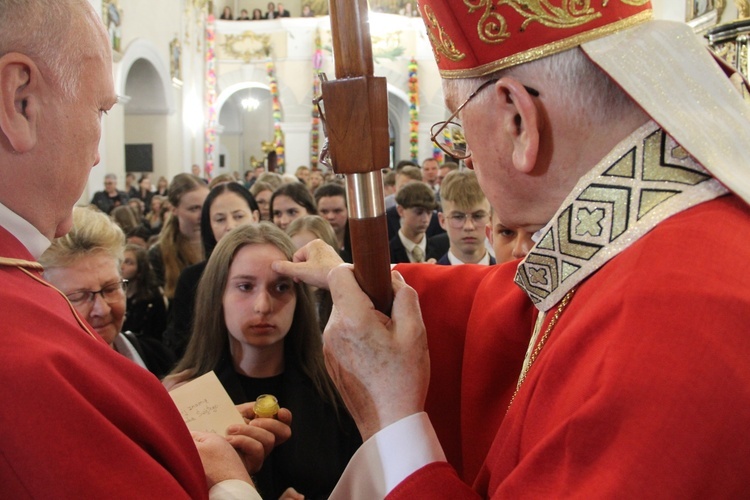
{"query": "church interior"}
pixel 228 94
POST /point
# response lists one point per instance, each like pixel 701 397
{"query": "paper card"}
pixel 205 405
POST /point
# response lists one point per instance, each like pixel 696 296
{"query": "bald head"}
pixel 29 27
pixel 50 117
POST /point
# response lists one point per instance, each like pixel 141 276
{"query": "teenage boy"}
pixel 415 203
pixel 464 217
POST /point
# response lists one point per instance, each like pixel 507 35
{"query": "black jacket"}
pixel 437 246
pixel 181 309
pixel 107 203
pixel 394 223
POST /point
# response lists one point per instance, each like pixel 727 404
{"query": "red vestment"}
pixel 79 420
pixel 642 388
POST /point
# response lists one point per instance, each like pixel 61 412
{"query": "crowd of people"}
pixel 175 231
pixel 575 335
pixel 159 293
pixel 443 219
pixel 273 11
pixel 276 10
pixel 461 233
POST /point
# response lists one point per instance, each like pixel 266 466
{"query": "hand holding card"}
pixel 205 405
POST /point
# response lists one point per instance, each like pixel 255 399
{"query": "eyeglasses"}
pixel 454 132
pixel 457 220
pixel 110 293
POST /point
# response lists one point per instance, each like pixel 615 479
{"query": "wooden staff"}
pixel 356 120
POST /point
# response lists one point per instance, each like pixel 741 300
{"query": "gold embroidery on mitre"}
pixel 569 14
pixel 644 180
pixel 441 44
pixel 492 27
pixel 546 50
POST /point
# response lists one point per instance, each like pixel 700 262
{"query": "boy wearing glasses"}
pixel 465 214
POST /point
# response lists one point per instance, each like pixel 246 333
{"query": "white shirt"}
pixel 409 245
pixel 34 241
pixel 455 261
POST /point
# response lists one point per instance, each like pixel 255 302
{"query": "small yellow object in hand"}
pixel 266 406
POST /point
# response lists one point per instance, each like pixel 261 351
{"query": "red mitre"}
pixel 473 38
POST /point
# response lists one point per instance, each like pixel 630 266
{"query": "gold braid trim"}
pixel 24 266
pixel 538 349
pixel 7 261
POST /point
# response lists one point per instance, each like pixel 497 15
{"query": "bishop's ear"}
pixel 521 122
pixel 19 102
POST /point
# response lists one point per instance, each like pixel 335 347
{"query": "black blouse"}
pixel 322 441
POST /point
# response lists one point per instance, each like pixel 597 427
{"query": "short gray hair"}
pixel 46 31
pixel 93 232
pixel 568 77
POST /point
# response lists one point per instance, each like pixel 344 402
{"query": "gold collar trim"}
pixel 27 264
pixel 647 178
pixel 24 266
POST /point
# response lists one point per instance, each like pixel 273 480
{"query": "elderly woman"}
pixel 85 266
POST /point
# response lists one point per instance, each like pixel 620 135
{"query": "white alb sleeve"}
pixel 389 457
pixel 233 489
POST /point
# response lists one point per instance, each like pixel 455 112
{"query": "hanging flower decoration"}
pixel 447 140
pixel 210 99
pixel 278 135
pixel 437 153
pixel 317 64
pixel 413 111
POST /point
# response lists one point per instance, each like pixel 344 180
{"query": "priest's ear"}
pixel 520 121
pixel 20 81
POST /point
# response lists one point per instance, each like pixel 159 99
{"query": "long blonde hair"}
pixel 177 252
pixel 315 224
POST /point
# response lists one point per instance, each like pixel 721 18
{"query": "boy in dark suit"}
pixel 415 203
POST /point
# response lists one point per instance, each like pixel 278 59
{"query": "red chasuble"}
pixel 79 420
pixel 641 390
pixel 478 330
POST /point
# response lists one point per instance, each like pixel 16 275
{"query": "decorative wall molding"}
pixel 246 46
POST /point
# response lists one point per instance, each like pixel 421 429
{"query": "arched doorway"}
pixel 245 123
